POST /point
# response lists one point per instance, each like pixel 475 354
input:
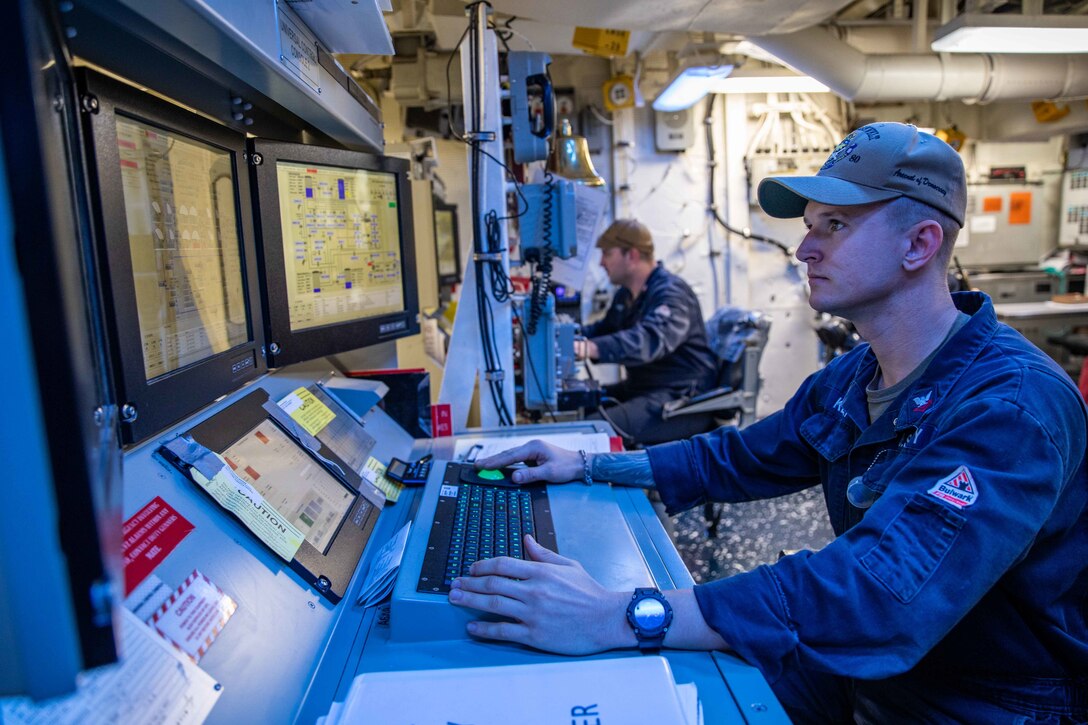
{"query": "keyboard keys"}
pixel 489 522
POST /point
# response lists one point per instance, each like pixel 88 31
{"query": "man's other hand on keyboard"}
pixel 556 605
pixel 546 462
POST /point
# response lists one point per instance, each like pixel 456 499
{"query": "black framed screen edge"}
pixel 285 345
pixel 155 403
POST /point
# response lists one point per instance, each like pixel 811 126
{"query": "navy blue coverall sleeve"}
pixel 873 602
pixel 665 326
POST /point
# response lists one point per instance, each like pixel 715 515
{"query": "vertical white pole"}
pixel 466 361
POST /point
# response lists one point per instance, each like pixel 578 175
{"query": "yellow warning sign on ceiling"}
pixel 601 41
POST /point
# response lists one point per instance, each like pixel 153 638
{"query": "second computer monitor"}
pixel 447 249
pixel 337 249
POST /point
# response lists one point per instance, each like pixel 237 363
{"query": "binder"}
pixel 621 690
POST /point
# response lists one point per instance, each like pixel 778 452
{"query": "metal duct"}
pixel 857 76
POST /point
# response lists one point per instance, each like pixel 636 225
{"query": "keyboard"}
pixel 474 521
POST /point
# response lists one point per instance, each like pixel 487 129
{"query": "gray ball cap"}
pixel 877 162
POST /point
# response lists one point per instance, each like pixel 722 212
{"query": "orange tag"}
pixel 1020 207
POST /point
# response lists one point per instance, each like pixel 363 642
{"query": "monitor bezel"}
pixel 447 280
pixel 284 345
pixel 162 401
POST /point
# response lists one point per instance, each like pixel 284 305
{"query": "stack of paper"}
pixel 153 684
pixel 383 571
pixel 624 689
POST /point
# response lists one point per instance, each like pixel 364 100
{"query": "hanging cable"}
pixel 712 206
pixel 542 275
pixel 531 369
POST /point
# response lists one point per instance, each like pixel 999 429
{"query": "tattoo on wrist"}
pixel 632 469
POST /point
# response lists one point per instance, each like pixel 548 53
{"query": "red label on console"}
pixel 148 537
pixel 441 420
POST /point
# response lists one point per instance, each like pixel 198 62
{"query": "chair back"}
pixel 730 332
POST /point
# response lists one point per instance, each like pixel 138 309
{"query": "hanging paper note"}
pixel 374 472
pixel 258 515
pixel 307 410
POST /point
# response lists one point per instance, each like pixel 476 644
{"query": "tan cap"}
pixel 627 234
pixel 877 162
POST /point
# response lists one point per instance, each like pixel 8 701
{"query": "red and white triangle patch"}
pixel 959 489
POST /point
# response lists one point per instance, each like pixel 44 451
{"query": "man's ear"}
pixel 925 240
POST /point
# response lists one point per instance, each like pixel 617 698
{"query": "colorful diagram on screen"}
pixel 341 243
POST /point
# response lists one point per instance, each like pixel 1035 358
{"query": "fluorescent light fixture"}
pixel 690 87
pixel 1013 33
pixel 770 84
pixel 694 83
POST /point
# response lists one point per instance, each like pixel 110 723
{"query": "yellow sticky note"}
pixel 374 472
pixel 306 410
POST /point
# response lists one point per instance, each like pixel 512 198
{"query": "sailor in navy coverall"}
pixel 654 328
pixel 951 454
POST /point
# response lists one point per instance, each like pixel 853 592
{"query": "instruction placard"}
pixel 148 537
pixel 194 615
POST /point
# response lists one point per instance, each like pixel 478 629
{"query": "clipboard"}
pixel 300 483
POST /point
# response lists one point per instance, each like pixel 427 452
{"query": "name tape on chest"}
pixel 959 489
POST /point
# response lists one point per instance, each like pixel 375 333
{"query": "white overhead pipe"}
pixel 857 76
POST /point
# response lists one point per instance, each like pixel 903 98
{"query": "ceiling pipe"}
pixel 919 31
pixel 980 78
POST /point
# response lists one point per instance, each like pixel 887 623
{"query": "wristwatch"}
pixel 649 615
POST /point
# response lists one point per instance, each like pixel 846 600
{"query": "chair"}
pixel 1077 344
pixel 738 337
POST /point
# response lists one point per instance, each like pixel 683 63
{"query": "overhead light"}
pixel 1012 33
pixel 693 84
pixel 776 83
pixel 690 86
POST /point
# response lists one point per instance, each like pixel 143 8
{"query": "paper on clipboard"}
pixel 590 203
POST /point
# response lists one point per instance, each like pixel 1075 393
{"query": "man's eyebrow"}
pixel 838 212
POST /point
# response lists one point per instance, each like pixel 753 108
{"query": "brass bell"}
pixel 569 158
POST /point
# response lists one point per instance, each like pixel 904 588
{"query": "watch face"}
pixel 650 614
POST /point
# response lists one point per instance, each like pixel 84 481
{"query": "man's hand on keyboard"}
pixel 556 606
pixel 547 463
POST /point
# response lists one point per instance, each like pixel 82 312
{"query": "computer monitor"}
pixel 176 235
pixel 337 249
pixel 446 243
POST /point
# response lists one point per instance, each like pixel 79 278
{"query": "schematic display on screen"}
pixel 183 239
pixel 341 237
pixel 287 478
